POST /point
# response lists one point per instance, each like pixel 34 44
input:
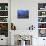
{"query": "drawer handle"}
pixel 1 39
pixel 43 39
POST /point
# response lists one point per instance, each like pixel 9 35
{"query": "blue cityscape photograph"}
pixel 23 14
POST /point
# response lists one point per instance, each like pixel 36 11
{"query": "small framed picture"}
pixel 21 14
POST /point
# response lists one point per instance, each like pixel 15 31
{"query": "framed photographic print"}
pixel 22 14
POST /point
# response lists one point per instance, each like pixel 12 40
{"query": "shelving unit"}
pixel 42 19
pixel 41 10
pixel 41 28
pixel 4 19
pixel 3 10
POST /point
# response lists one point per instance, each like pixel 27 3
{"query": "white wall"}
pixel 23 24
pixel 32 6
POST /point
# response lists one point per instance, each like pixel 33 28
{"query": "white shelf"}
pixel 41 10
pixel 3 16
pixel 3 10
pixel 42 16
pixel 41 22
pixel 41 28
pixel 3 22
